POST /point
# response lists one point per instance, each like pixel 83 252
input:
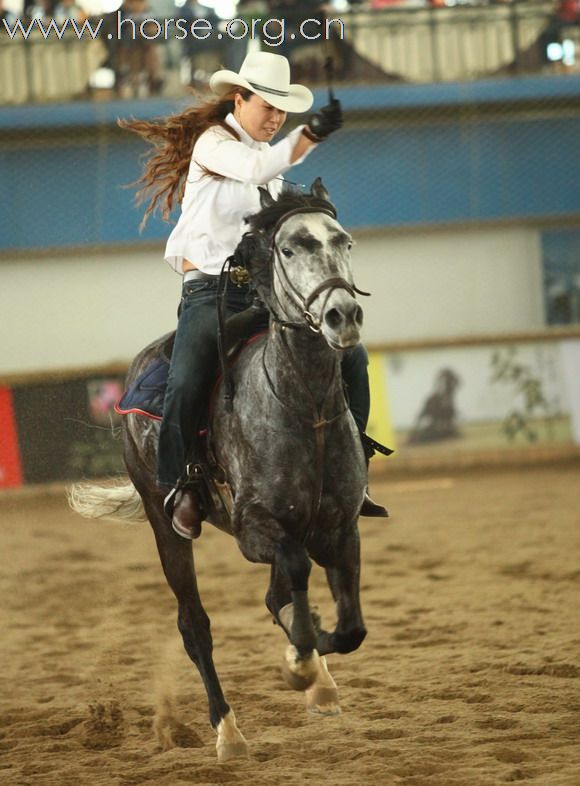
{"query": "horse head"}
pixel 310 280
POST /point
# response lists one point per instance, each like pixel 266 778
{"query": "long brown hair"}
pixel 167 163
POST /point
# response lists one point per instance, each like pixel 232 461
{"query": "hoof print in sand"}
pixel 171 733
pixel 105 727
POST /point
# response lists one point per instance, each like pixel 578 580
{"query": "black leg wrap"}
pixel 350 641
pixel 294 562
pixel 302 635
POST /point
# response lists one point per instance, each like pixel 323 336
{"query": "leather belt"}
pixel 198 275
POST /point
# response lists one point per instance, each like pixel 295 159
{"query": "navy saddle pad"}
pixel 145 395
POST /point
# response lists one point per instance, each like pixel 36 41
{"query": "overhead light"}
pixel 102 79
pixel 568 52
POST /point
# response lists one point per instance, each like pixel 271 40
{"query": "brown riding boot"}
pixel 187 515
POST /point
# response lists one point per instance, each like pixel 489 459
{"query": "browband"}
pixel 295 212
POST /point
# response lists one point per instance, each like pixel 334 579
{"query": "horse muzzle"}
pixel 341 321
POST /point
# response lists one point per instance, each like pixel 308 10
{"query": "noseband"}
pixel 295 297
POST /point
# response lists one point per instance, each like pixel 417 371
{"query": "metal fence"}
pixel 422 45
pixel 437 134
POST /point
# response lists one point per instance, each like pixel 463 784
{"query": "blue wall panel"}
pixel 449 173
pixel 67 189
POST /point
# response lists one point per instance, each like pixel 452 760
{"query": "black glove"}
pixel 326 120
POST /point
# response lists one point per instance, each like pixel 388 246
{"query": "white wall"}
pixel 73 311
pixel 70 312
pixel 452 283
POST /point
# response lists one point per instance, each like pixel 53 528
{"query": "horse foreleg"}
pixel 309 674
pixel 303 669
pixel 344 580
pixel 293 563
pixel 194 625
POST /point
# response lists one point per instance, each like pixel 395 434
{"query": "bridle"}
pixel 318 417
pixel 302 304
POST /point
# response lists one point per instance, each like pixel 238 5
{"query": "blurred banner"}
pixel 435 404
pixel 380 426
pixel 10 468
pixel 457 399
pixel 68 429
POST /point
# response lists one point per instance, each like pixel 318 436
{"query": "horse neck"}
pixel 302 366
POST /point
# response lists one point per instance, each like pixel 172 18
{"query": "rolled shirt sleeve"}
pixel 225 156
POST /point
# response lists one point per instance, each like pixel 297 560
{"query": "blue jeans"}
pixel 194 364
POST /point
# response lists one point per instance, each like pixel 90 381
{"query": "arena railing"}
pixel 425 44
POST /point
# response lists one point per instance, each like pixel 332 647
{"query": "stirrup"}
pixel 193 479
pixel 169 502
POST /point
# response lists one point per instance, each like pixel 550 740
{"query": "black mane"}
pixel 254 250
pixel 290 199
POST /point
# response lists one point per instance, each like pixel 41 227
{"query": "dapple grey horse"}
pixel 289 455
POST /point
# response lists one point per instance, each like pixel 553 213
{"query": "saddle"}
pixel 145 395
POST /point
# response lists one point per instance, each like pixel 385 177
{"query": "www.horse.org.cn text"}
pixel 271 31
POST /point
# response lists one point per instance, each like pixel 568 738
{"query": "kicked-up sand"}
pixel 469 676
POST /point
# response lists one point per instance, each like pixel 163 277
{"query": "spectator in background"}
pixel 376 5
pixel 6 15
pixel 203 54
pixel 306 66
pixel 569 12
pixel 40 9
pixel 68 9
pixel 137 62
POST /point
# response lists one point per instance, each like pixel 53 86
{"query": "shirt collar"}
pixel 244 136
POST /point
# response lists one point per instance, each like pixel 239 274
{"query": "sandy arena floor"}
pixel 470 675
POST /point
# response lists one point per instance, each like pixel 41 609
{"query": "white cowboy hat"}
pixel 268 76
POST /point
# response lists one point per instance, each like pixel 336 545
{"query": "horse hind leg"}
pixel 177 560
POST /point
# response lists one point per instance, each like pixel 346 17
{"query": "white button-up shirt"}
pixel 212 212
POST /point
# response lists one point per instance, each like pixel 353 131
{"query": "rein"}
pixel 303 304
pixel 318 422
pixel 319 419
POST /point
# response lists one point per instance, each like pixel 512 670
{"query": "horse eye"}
pixel 349 246
pixel 287 252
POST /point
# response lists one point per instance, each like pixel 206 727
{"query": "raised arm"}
pixel 228 157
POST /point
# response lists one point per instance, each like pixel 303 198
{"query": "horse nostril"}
pixel 333 318
pixel 358 316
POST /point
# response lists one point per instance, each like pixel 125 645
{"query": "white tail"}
pixel 118 502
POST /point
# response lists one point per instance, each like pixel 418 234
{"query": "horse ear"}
pixel 266 198
pixel 318 190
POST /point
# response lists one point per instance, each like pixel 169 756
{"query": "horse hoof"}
pixel 230 741
pixel 321 700
pixel 231 750
pixel 296 681
pixel 299 674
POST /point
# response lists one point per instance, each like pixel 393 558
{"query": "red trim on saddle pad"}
pixel 135 411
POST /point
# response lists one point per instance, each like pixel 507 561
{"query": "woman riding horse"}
pixel 213 157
